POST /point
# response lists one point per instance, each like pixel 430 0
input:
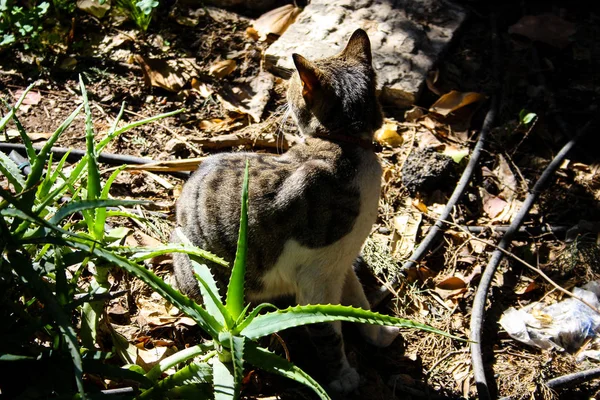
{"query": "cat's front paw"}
pixel 346 382
pixel 381 336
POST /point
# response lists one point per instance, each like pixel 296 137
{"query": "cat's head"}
pixel 336 94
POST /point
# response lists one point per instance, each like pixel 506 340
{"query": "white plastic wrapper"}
pixel 564 326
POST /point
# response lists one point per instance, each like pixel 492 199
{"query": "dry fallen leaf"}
pixel 170 75
pixel 388 135
pixel 31 99
pixel 492 205
pixel 250 98
pixel 222 68
pixel 276 21
pixel 545 28
pixel 452 283
pixel 413 114
pixel 450 102
pixel 508 182
pixel 406 228
pixel 431 80
pixel 526 287
pixel 419 205
pixel 94 7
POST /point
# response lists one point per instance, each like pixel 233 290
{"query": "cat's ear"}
pixel 309 75
pixel 358 47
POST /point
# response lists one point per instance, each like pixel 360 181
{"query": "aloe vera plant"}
pixel 44 251
pixel 234 329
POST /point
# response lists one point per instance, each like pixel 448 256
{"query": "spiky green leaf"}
pixel 23 267
pixel 275 321
pixel 223 381
pixel 270 362
pixel 4 120
pixel 210 294
pixel 235 289
pixel 206 321
pixel 195 373
pixel 142 253
pixel 77 206
pixel 11 171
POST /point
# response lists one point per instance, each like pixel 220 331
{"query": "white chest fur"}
pixel 311 274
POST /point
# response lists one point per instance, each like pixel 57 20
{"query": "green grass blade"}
pixel 278 320
pixel 142 253
pixel 223 381
pixel 93 181
pixel 210 294
pixel 26 140
pixel 132 125
pixel 235 290
pixel 22 266
pixel 11 171
pixel 78 206
pixel 186 305
pixel 14 109
pixel 270 362
pixel 37 167
pixel 50 180
pixel 110 180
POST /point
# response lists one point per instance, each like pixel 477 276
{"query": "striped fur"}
pixel 310 209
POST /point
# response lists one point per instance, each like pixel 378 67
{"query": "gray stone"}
pixel 407 37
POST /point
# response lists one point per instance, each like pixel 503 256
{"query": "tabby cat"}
pixel 310 209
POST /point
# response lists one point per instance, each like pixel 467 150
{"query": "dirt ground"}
pixel 550 70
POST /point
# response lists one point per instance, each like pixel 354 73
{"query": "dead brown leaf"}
pixel 526 287
pixel 452 283
pixel 406 228
pixel 413 114
pixel 506 178
pixel 31 99
pixel 452 101
pixel 492 205
pixel 96 8
pixel 221 69
pixel 431 80
pixel 250 98
pixel 276 21
pixel 545 28
pixel 388 135
pixel 450 294
pixel 170 75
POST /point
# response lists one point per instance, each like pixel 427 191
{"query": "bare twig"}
pixel 240 139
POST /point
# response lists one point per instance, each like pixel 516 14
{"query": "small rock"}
pixel 174 146
pixel 426 170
